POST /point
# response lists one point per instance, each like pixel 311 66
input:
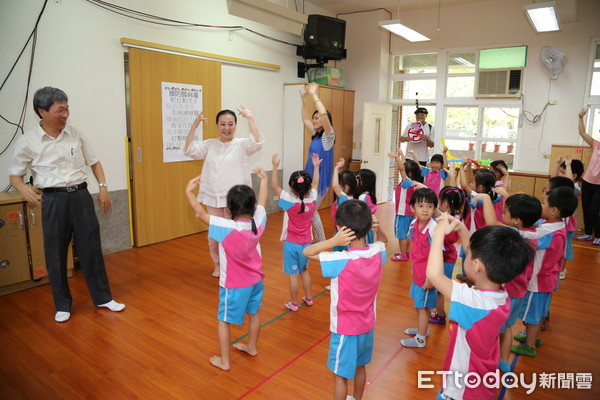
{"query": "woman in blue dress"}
pixel 321 143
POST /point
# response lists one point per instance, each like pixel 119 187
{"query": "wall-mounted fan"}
pixel 553 60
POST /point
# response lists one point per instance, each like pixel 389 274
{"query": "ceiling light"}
pixel 542 16
pixel 397 28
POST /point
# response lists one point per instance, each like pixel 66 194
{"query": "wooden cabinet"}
pixel 527 182
pixel 296 139
pixel 22 263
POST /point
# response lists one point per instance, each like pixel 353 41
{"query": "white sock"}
pixel 62 316
pixel 413 331
pixel 113 306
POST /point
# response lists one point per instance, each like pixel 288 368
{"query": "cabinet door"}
pixel 36 244
pixel 522 184
pixel 575 151
pixel 14 262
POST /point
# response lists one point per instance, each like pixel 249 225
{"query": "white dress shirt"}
pixel 225 165
pixel 53 162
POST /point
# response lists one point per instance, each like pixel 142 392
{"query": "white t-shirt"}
pixel 225 165
pixel 420 147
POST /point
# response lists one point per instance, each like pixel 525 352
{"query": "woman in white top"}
pixel 226 164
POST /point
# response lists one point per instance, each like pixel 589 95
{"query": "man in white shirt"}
pixel 56 154
pixel 420 136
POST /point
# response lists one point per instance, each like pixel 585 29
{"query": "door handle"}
pixel 20 220
pixel 139 154
pixel 32 213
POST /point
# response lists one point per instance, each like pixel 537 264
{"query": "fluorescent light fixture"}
pixel 397 28
pixel 462 61
pixel 542 16
pixel 270 14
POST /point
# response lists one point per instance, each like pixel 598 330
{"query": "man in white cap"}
pixel 420 136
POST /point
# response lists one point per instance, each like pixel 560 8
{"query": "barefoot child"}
pixel 241 278
pixel 355 276
pixel 299 207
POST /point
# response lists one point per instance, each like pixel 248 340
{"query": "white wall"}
pixel 493 23
pixel 78 50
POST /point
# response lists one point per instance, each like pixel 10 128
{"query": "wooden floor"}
pixel 159 346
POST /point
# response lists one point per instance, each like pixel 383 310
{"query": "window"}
pixel 414 77
pixel 461 74
pixel 593 93
pixel 482 133
pixel 504 57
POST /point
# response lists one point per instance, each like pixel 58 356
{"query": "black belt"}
pixel 68 189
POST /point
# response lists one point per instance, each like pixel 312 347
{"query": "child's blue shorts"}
pixel 401 225
pixel 569 246
pixel 515 310
pixel 448 268
pixel 423 298
pixel 346 352
pixel 535 307
pixel 294 261
pixel 235 303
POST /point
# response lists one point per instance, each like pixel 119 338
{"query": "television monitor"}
pixel 323 38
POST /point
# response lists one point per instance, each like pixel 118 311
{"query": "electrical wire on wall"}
pixel 371 10
pixel 19 124
pixel 534 119
pixel 158 20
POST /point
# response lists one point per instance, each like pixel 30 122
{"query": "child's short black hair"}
pixel 437 157
pixel 564 199
pixel 413 170
pixel 241 200
pixel 502 250
pixel 348 178
pixel 525 207
pixel 494 166
pixel 424 195
pixel 576 168
pixel 560 181
pixel 356 215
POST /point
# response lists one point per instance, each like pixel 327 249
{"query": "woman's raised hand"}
pixel 199 118
pixel 245 112
pixel 311 88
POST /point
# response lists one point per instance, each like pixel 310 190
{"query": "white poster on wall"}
pixel 181 104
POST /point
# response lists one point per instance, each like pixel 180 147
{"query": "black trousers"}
pixel 590 204
pixel 67 215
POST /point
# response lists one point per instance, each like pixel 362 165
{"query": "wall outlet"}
pixel 546 156
pixel 553 102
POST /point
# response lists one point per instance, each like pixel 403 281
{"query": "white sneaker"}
pixel 563 274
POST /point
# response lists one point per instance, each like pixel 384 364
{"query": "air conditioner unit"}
pixel 499 83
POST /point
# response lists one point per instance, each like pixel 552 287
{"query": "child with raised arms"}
pixel 299 207
pixel 453 200
pixel 241 278
pixel 573 170
pixel 344 184
pixel 557 204
pixel 355 277
pixel 437 173
pixel 409 177
pixel 495 255
pixel 366 191
pixel 423 204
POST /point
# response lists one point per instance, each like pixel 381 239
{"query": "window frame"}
pixel 591 102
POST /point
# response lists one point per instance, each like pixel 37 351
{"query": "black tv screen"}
pixel 324 38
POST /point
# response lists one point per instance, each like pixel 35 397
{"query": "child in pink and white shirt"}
pixel 355 277
pixel 300 205
pixel 495 255
pixel 423 203
pixel 409 180
pixel 240 261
